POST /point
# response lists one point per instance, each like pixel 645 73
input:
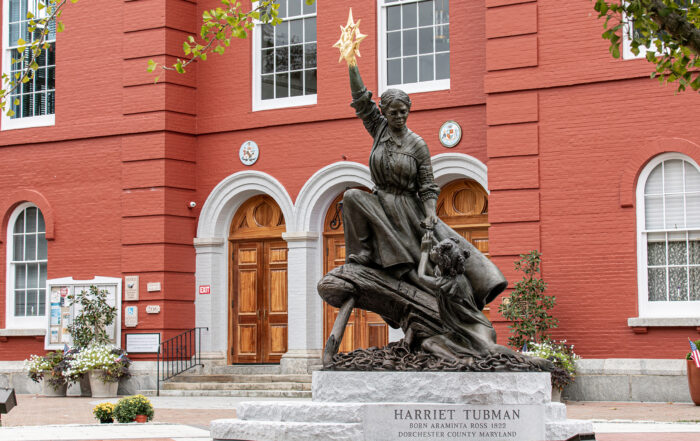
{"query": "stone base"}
pixel 384 406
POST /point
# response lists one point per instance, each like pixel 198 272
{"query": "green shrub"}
pixel 128 407
pixel 528 306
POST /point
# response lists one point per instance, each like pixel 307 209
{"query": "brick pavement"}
pixel 34 410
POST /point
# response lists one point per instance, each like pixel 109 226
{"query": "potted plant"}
pixel 134 408
pixel 564 359
pixel 49 371
pixel 105 366
pixel 90 324
pixel 104 412
pixel 693 377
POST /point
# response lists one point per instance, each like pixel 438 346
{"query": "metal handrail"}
pixel 179 354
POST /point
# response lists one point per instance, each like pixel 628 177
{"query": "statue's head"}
pixel 395 105
pixel 449 257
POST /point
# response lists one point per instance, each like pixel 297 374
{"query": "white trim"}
pixel 278 103
pixel 448 167
pixel 211 246
pixel 627 54
pixel 10 320
pixel 669 322
pixel 7 123
pixel 323 187
pixel 231 192
pixel 410 88
pixel 659 309
pixel 28 122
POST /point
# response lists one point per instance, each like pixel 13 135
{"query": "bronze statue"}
pixel 390 233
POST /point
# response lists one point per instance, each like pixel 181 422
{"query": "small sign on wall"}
pixel 152 309
pixel 142 343
pixel 131 316
pixel 131 288
pixel 153 286
pixel 205 289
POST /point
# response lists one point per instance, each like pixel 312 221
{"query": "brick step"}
pixel 281 386
pixel 242 378
pixel 230 393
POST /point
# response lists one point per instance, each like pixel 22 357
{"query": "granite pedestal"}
pixel 387 406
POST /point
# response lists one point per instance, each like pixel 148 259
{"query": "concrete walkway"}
pixel 39 418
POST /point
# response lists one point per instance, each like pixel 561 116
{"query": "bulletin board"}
pixel 61 313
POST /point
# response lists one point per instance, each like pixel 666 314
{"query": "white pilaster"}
pixel 305 309
pixel 211 310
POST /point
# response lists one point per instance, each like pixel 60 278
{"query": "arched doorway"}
pixel 257 283
pixel 464 205
pixel 364 329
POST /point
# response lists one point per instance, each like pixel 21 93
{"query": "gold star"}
pixel 350 39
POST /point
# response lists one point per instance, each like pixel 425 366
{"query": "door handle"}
pixel 257 314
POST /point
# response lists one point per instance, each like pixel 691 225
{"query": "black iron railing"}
pixel 179 354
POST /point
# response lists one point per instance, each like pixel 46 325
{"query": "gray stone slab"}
pixel 555 412
pixel 235 429
pixel 433 387
pixel 300 412
pixel 663 367
pixel 562 430
pixel 659 388
pixel 598 388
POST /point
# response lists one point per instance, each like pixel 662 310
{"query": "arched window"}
pixel 26 268
pixel 668 232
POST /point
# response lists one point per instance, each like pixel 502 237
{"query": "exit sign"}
pixel 205 289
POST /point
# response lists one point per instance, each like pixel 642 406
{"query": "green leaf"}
pixel 16 101
pixel 25 79
pixel 10 112
pixel 203 56
pixel 151 65
pixel 30 15
pixel 186 48
pixel 59 26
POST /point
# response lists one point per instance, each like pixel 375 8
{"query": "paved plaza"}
pixel 39 418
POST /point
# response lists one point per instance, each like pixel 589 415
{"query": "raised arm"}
pixel 365 108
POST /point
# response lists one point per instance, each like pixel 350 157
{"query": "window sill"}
pixel 27 123
pixel 640 325
pixel 7 333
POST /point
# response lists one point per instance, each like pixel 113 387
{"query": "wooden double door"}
pixel 365 328
pixel 258 283
pixel 463 205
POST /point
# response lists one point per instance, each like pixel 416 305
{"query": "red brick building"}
pixel 579 155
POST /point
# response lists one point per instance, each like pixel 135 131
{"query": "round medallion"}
pixel 450 134
pixel 249 153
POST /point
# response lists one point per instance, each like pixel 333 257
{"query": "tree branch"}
pixel 676 25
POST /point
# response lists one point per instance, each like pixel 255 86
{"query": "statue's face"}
pixel 396 115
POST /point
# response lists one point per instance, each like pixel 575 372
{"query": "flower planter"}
pixel 99 388
pixel 85 390
pixel 693 381
pixel 140 418
pixel 556 395
pixel 48 390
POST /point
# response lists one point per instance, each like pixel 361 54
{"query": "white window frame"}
pixel 6 122
pixel 12 322
pixel 418 87
pixel 278 103
pixel 668 309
